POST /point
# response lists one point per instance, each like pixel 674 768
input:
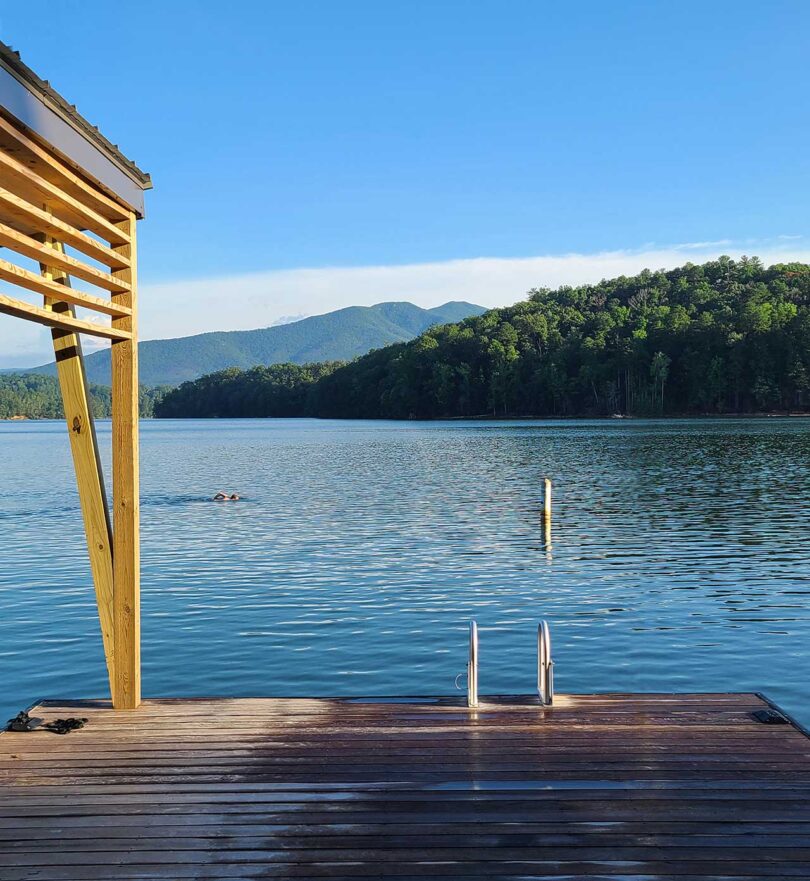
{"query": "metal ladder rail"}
pixel 545 666
pixel 472 667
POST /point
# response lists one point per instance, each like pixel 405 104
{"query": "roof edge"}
pixel 11 61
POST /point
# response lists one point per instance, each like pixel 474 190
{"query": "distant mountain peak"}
pixel 334 336
pixel 287 319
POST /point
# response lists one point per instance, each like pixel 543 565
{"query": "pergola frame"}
pixel 64 186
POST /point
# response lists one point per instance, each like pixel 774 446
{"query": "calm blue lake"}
pixel 679 558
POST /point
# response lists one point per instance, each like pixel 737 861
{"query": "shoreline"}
pixel 478 418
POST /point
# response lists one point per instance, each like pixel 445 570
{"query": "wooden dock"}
pixel 597 787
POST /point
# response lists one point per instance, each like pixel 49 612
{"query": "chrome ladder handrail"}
pixel 472 667
pixel 545 666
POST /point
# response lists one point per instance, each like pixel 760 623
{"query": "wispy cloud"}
pixel 259 299
pixel 241 302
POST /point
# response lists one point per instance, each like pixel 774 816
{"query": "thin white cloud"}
pixel 242 302
pixel 259 299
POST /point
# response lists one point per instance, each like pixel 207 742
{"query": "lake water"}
pixel 678 561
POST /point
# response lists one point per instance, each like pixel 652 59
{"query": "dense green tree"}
pixel 727 336
pixel 37 396
pixel 278 390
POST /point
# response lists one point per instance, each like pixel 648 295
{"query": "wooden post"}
pixel 546 498
pixel 126 498
pixel 87 465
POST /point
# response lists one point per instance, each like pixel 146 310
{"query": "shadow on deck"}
pixel 597 787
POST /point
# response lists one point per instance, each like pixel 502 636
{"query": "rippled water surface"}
pixel 678 558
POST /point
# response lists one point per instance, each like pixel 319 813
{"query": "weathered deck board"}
pixel 597 787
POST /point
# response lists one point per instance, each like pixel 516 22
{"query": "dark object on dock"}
pixel 22 722
pixel 65 726
pixel 770 717
pixel 675 787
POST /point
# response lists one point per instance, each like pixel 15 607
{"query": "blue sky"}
pixel 313 135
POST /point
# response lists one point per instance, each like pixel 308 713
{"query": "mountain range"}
pixel 335 336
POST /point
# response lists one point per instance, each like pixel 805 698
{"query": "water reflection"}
pixel 676 559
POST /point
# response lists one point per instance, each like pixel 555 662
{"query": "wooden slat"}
pixel 126 487
pixel 51 168
pixel 31 219
pixel 600 787
pixel 18 178
pixel 84 449
pixel 21 309
pixel 188 828
pixel 594 787
pixel 24 278
pixel 426 869
pixel 29 247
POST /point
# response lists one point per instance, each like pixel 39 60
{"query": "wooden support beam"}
pixel 21 309
pixel 47 204
pixel 86 461
pixel 33 282
pixel 28 247
pixel 126 492
pixel 29 218
pixel 26 183
pixel 46 164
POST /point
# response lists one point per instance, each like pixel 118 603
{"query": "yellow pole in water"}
pixel 547 498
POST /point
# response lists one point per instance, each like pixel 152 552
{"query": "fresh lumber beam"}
pixel 36 189
pixel 28 247
pixel 21 309
pixel 33 282
pixel 126 490
pixel 48 166
pixel 67 349
pixel 20 213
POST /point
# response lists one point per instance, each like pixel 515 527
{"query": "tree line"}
pixel 723 337
pixel 277 390
pixel 37 396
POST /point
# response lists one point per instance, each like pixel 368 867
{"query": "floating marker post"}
pixel 547 498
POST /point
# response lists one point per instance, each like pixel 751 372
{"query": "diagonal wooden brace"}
pixel 86 461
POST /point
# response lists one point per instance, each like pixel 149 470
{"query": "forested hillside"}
pixel 279 390
pixel 33 396
pixel 727 336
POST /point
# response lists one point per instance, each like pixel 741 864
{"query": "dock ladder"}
pixel 545 666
